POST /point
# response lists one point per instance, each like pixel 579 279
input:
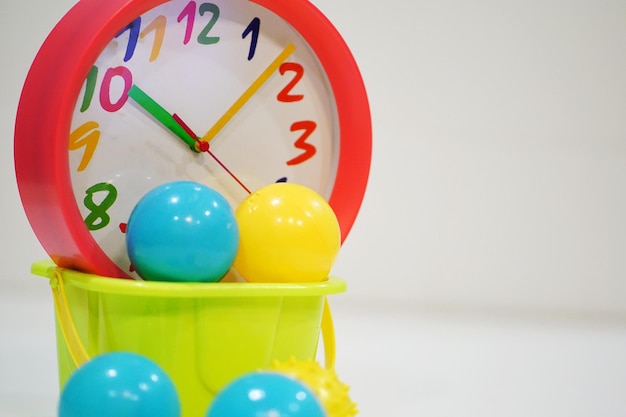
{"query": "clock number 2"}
pixel 98 217
pixel 285 94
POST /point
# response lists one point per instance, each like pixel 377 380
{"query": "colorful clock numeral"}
pixel 87 135
pixel 90 88
pixel 308 127
pixel 253 28
pixel 189 14
pixel 133 30
pixel 285 94
pixel 204 37
pixel 158 27
pixel 98 217
pixel 105 90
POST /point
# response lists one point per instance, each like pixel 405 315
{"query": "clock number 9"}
pixel 87 135
pixel 98 217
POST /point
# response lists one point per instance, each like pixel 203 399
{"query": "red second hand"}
pixel 204 147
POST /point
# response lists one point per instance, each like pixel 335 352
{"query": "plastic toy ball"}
pixel 288 233
pixel 184 232
pixel 119 384
pixel 265 394
pixel 332 393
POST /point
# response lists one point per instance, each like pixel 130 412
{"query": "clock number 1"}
pixel 98 217
pixel 253 28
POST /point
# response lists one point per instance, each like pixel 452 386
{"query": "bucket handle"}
pixel 72 339
pixel 79 354
pixel 328 334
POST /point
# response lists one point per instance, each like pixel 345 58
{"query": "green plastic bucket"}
pixel 202 334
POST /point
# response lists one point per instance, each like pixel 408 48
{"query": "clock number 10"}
pixel 107 102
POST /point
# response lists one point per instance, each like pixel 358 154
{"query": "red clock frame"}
pixel 53 85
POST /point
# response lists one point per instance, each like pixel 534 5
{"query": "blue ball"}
pixel 266 394
pixel 182 231
pixel 119 384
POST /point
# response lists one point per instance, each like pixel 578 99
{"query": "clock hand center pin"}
pixel 203 146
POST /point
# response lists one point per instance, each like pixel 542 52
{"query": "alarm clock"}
pixel 126 95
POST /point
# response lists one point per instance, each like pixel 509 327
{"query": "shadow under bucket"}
pixel 203 335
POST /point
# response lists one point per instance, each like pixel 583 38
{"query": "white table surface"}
pixel 398 361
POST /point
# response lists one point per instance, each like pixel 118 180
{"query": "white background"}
pixel 487 269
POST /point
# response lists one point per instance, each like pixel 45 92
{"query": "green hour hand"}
pixel 162 115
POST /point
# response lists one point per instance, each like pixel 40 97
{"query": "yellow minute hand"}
pixel 254 87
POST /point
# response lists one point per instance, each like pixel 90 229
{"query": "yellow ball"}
pixel 287 233
pixel 329 389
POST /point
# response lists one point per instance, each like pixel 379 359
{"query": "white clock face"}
pixel 232 74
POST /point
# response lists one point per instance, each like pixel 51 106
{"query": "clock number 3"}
pixel 309 150
pixel 98 217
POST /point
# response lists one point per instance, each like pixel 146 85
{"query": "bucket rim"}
pixel 136 288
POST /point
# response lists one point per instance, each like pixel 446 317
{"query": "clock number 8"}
pixel 98 217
